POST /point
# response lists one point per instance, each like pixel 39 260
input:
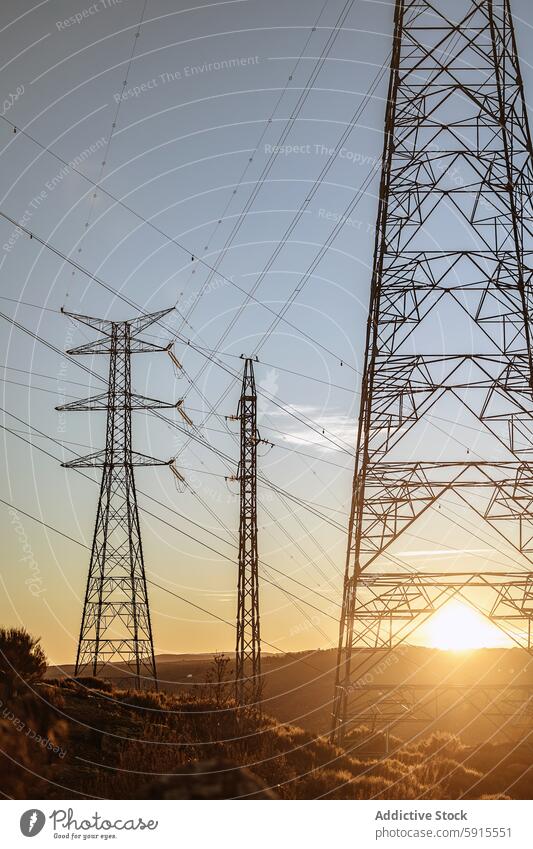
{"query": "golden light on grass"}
pixel 459 627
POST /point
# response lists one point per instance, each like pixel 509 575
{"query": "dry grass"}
pixel 32 742
pixel 120 741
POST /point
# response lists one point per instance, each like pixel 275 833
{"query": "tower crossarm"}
pixel 133 402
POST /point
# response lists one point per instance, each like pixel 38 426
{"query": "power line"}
pixel 114 122
pixel 168 422
pixel 212 448
pixel 160 518
pixel 340 224
pixel 251 158
pixel 42 522
pixel 302 419
pixel 145 221
pixel 150 581
pixel 347 6
pixel 281 445
pixel 227 459
pixel 259 183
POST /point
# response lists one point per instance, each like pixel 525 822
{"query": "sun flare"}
pixel 459 627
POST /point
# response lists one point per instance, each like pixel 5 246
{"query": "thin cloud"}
pixel 336 427
pixel 443 552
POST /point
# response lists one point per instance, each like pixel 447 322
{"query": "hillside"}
pixel 118 744
pixel 299 686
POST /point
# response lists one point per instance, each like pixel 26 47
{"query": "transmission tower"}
pixel 448 336
pixel 116 631
pixel 248 683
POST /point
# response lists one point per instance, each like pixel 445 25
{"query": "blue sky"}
pixel 179 124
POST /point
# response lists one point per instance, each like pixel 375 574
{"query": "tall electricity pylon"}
pixel 448 336
pixel 116 631
pixel 248 682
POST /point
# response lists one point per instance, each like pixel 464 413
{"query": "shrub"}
pixel 442 743
pixel 51 695
pixel 94 683
pixel 32 744
pixel 150 699
pixel 21 659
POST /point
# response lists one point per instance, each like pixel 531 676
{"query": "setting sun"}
pixel 459 627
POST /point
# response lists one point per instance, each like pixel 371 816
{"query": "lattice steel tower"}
pixel 248 683
pixel 448 336
pixel 116 631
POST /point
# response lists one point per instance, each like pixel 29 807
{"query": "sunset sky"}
pixel 179 123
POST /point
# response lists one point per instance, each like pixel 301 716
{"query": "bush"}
pixel 21 659
pixel 442 743
pixel 51 695
pixel 32 746
pixel 150 699
pixel 91 683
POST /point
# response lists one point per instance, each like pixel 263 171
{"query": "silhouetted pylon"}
pixel 116 632
pixel 448 337
pixel 248 682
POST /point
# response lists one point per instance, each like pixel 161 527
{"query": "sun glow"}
pixel 459 627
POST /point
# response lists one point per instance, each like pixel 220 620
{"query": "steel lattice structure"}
pixel 496 708
pixel 448 322
pixel 248 682
pixel 116 632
